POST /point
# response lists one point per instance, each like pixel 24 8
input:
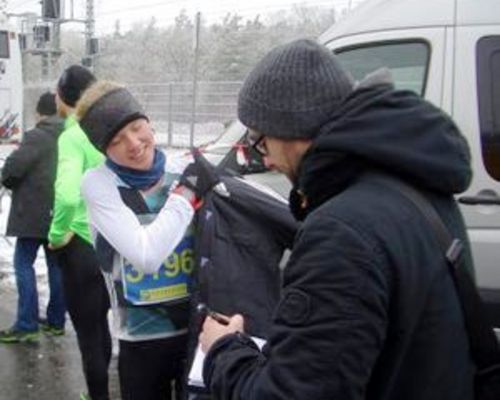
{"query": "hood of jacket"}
pixel 380 128
pixel 53 125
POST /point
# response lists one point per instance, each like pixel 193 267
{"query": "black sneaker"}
pixel 50 330
pixel 15 336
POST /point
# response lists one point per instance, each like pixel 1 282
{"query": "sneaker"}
pixel 50 330
pixel 84 396
pixel 14 336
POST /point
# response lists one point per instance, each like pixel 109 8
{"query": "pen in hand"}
pixel 202 308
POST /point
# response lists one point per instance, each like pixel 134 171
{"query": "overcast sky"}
pixel 130 11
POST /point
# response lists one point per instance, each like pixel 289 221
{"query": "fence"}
pixel 178 119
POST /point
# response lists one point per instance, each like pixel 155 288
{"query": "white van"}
pixel 449 52
pixel 11 89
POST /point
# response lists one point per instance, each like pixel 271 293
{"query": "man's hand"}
pixel 199 176
pixel 213 330
pixel 67 238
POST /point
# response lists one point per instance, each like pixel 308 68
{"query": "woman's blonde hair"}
pixel 92 95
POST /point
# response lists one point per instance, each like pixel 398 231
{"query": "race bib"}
pixel 171 282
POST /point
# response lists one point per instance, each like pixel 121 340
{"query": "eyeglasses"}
pixel 257 141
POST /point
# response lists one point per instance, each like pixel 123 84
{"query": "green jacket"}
pixel 75 156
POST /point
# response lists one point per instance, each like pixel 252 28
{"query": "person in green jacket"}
pixel 83 284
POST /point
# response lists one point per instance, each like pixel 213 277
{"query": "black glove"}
pixel 199 176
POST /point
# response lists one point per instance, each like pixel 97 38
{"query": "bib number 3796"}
pixel 170 282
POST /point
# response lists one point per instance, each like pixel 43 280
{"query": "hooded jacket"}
pixel 369 309
pixel 30 172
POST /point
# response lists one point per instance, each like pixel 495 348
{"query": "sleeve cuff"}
pixel 184 200
pixel 229 342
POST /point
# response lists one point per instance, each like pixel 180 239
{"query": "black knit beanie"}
pixel 73 82
pixel 293 90
pixel 108 115
pixel 46 104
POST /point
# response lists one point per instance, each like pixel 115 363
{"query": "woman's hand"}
pixel 199 176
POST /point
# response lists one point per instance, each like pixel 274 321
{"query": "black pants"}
pixel 87 303
pixel 148 369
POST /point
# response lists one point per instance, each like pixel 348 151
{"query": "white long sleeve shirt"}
pixel 144 246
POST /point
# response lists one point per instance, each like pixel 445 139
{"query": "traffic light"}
pixel 23 41
pixel 51 9
pixel 93 46
pixel 87 62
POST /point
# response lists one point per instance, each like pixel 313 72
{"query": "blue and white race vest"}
pixel 152 306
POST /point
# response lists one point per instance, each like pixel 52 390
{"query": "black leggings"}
pixel 87 302
pixel 149 368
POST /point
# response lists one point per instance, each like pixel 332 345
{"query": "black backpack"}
pixel 485 350
pixel 241 236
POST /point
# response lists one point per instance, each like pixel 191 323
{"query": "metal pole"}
pixel 89 31
pixel 49 64
pixel 56 43
pixel 56 35
pixel 169 115
pixel 45 67
pixel 195 77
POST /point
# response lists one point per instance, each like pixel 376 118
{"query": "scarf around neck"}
pixel 137 179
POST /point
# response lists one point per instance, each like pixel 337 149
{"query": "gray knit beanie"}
pixel 293 90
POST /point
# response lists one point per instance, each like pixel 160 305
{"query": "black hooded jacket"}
pixel 30 172
pixel 369 309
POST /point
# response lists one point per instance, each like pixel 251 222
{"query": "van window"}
pixel 407 61
pixel 4 44
pixel 488 90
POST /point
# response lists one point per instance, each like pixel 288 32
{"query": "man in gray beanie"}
pixel 368 308
pixel 293 98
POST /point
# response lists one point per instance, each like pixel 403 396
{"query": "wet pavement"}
pixel 47 370
pixel 50 369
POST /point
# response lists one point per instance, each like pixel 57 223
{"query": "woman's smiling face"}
pixel 133 146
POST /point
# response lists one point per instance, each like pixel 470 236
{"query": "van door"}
pixel 11 88
pixel 476 109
